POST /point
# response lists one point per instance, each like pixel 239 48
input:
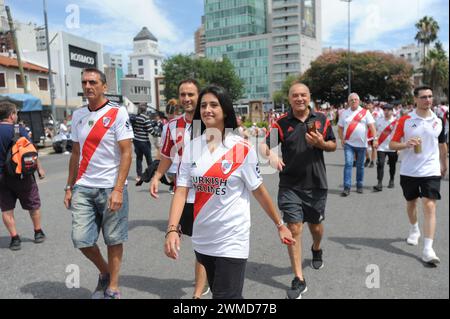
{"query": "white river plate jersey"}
pixel 222 181
pixel 98 133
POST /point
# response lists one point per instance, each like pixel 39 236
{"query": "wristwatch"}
pixel 67 188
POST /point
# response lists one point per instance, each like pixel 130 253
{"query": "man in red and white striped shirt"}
pixel 420 135
pixel 96 186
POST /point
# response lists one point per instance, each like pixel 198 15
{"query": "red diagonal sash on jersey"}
pixel 354 123
pixel 386 132
pixel 236 156
pixel 95 137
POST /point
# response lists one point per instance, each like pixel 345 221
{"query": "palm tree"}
pixel 435 70
pixel 427 29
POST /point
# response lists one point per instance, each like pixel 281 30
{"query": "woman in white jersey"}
pixel 223 169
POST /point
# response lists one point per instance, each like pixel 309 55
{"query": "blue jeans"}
pixel 350 153
pixel 90 214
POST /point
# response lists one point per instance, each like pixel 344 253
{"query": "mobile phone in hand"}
pixel 311 126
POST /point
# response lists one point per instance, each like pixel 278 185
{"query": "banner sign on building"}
pixel 81 58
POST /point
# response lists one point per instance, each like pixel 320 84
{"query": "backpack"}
pixel 21 156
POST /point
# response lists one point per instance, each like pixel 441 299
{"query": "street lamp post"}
pixel 50 74
pixel 349 53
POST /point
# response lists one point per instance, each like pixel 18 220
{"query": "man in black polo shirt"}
pixel 304 136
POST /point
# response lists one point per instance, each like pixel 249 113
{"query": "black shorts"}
pixel 415 187
pixel 25 190
pixel 302 206
pixel 187 219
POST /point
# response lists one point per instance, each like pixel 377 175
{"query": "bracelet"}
pixel 173 227
pixel 173 231
pixel 280 224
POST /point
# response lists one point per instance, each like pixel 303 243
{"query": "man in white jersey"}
pixel 177 135
pixel 385 128
pixel 420 135
pixel 96 186
pixel 352 130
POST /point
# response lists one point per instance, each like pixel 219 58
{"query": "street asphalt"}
pixel 365 252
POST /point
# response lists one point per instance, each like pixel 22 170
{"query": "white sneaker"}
pixel 413 238
pixel 429 256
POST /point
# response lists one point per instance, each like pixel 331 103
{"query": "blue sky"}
pixel 376 24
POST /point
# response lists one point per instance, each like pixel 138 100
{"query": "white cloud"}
pixel 371 20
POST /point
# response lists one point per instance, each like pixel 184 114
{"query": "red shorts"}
pixel 25 190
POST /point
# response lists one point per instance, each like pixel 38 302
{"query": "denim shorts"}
pixel 90 214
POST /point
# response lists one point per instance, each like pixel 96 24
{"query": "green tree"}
pixel 427 30
pixel 374 74
pixel 282 96
pixel 205 71
pixel 435 70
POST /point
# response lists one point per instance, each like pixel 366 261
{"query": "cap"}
pixel 387 107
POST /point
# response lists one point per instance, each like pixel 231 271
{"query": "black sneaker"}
pixel 39 236
pixel 102 285
pixel 360 190
pixel 15 243
pixel 317 262
pixel 366 163
pixel 391 184
pixel 346 192
pixel 298 288
pixel 371 165
pixel 378 187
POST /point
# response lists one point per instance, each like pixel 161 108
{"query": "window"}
pixel 19 83
pixel 156 71
pixel 156 62
pixel 2 80
pixel 43 84
pixel 140 62
pixel 141 71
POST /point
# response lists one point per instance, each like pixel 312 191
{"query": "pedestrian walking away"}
pixel 14 187
pixel 223 169
pixel 352 131
pixel 142 126
pixel 176 134
pixel 304 136
pixel 385 127
pixel 421 137
pixel 96 190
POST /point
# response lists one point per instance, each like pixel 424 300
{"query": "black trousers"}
pixel 225 275
pixel 142 149
pixel 393 158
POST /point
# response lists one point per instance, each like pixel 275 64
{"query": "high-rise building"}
pixel 113 60
pixel 146 59
pixel 266 40
pixel 237 30
pixel 296 37
pixel 200 39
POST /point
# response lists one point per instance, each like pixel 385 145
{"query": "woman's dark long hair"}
pixel 230 121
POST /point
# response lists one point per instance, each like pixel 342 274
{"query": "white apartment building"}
pixel 146 59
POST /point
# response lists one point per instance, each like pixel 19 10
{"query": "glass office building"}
pixel 266 40
pixel 237 29
pixel 250 57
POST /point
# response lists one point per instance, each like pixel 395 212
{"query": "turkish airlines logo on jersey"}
pixel 226 166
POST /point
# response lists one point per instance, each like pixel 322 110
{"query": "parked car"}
pixel 58 142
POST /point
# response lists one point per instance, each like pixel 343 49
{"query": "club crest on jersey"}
pixel 106 121
pixel 226 166
pixel 90 123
